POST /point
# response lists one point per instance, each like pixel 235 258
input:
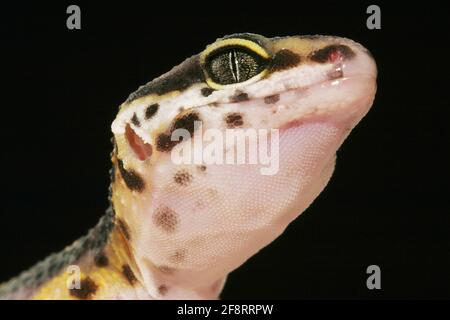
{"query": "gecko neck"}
pixel 167 280
pixel 108 268
pixel 161 281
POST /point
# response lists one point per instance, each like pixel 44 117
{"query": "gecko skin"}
pixel 175 231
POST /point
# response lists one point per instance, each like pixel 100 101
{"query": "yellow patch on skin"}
pixel 301 46
pixel 109 280
pixel 234 41
pixel 123 199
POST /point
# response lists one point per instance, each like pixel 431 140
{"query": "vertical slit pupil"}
pixel 234 65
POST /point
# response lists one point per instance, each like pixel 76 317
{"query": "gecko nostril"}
pixel 334 56
pixel 332 53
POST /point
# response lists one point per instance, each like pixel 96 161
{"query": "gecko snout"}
pixel 361 63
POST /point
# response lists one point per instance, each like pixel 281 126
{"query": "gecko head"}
pixel 195 207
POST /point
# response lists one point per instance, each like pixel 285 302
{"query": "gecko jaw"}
pixel 350 100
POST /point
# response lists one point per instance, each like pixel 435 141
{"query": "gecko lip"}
pixel 342 101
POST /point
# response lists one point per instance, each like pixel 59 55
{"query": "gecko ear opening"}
pixel 142 149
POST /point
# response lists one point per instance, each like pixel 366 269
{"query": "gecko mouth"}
pixel 342 100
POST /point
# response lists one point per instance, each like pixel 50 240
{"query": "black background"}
pixel 387 203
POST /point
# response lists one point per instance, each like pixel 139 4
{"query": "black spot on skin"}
pixel 123 227
pixel 206 91
pixel 179 78
pixel 183 178
pixel 284 59
pixel 162 289
pixel 178 256
pixel 272 99
pixel 164 143
pixel 201 168
pixel 323 55
pixel 132 179
pixel 101 260
pixel 87 289
pixel 166 219
pixel 239 97
pixel 129 275
pixel 151 110
pixel 186 121
pixel 234 120
pixel 135 120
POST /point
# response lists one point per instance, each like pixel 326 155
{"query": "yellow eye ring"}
pixel 231 42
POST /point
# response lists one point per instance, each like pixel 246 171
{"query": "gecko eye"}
pixel 234 61
pixel 233 65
